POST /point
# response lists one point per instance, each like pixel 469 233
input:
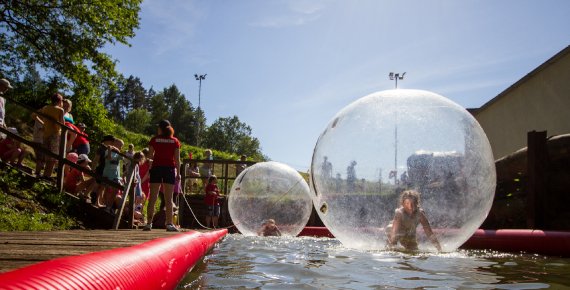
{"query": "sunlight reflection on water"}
pixel 319 263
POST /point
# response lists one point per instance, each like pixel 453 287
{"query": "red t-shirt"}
pixel 81 137
pixel 143 169
pixel 164 148
pixel 5 145
pixel 72 179
pixel 212 198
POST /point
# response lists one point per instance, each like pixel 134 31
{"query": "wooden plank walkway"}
pixel 20 249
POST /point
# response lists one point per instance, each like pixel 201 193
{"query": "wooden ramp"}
pixel 20 249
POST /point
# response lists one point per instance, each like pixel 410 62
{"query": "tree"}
pixel 231 135
pixel 65 37
pixel 137 120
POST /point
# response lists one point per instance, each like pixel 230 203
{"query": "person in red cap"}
pixel 164 150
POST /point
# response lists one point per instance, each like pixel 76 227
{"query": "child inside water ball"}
pixel 269 228
pixel 406 218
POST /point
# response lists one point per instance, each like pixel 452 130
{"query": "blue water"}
pixel 240 262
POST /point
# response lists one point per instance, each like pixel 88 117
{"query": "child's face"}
pixel 409 205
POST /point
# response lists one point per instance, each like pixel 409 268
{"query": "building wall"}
pixel 541 101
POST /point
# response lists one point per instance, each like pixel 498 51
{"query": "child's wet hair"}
pixel 412 195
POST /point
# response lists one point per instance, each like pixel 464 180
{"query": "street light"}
pixel 396 77
pixel 200 78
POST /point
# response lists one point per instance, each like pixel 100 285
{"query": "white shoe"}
pixel 171 228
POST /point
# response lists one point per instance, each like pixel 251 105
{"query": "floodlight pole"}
pixel 200 78
pixel 395 76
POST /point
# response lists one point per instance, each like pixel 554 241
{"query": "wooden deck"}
pixel 20 249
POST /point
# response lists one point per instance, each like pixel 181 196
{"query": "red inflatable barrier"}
pixel 550 243
pixel 157 264
pixel 321 232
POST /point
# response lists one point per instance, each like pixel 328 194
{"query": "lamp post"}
pixel 200 78
pixel 395 77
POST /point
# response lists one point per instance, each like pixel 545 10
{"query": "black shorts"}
pixel 162 174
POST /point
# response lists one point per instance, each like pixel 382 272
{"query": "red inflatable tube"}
pixel 321 232
pixel 157 264
pixel 552 243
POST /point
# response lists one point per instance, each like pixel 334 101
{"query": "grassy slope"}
pixel 30 205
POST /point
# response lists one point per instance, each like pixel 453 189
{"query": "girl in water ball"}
pixel 406 218
pixel 269 228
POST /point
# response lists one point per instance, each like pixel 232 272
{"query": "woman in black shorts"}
pixel 164 150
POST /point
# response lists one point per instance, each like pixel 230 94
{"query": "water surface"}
pixel 320 263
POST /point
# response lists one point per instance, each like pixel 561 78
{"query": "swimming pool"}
pixel 321 263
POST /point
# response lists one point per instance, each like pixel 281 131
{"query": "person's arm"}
pixel 177 162
pixel 427 229
pixel 277 231
pixel 150 155
pixel 147 174
pixel 395 228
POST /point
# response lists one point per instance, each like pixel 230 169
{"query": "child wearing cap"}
pixel 11 149
pixel 75 176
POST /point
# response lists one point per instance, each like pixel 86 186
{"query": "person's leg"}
pixel 168 190
pixel 208 220
pixel 23 154
pixel 40 161
pixel 52 143
pixel 216 216
pixel 100 192
pixel 152 202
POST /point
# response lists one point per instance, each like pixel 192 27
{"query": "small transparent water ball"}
pixel 270 190
pixel 396 140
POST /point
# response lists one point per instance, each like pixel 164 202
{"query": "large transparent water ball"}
pixel 270 190
pixel 396 140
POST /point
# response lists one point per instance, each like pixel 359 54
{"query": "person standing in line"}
pixel 81 143
pixel 164 149
pixel 52 129
pixel 4 87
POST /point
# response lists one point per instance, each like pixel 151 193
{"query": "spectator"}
pixel 67 117
pixel 144 173
pixel 52 129
pixel 99 163
pixel 11 150
pixel 165 151
pixel 4 86
pixel 81 143
pixel 75 176
pixel 241 166
pixel 193 172
pixel 206 168
pixel 68 121
pixel 112 172
pixel 130 152
pixel 212 201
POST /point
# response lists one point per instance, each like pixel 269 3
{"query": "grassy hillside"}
pixel 30 205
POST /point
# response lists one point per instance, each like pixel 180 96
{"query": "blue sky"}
pixel 287 67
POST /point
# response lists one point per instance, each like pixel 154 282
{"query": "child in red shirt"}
pixel 211 200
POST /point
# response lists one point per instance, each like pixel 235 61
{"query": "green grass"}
pixel 29 205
